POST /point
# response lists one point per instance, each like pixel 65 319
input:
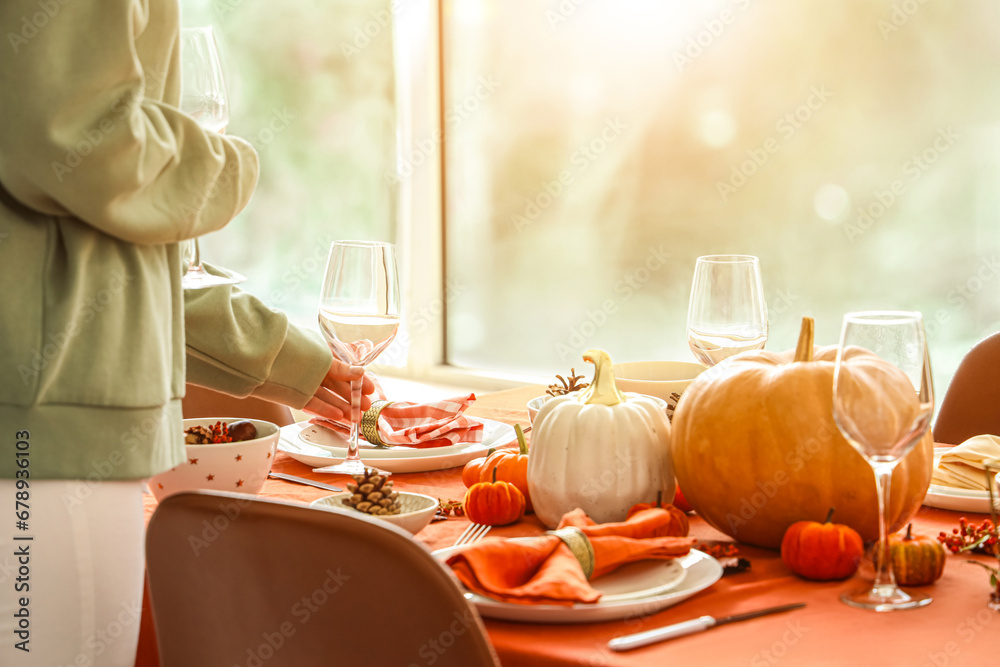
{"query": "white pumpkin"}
pixel 600 450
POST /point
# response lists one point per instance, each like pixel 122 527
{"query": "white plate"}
pixel 637 589
pixel 959 500
pixel 495 434
pixel 337 445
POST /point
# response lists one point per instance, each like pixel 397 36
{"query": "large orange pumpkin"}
pixel 756 449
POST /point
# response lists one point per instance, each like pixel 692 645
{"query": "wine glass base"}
pixel 199 278
pixel 885 598
pixel 356 467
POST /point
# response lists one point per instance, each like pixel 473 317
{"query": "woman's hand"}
pixel 333 398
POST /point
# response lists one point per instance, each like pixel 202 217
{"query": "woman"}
pixel 101 177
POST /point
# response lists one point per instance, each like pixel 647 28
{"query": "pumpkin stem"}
pixel 804 350
pixel 909 532
pixel 602 390
pixel 659 498
pixel 522 444
pixel 829 515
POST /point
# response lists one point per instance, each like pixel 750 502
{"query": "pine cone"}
pixel 372 494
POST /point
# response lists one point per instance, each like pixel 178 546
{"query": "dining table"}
pixel 957 628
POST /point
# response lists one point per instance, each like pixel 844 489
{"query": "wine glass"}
pixel 359 317
pixel 204 98
pixel 726 313
pixel 881 423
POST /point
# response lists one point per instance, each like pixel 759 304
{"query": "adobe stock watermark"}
pixel 711 30
pixel 968 630
pixel 778 649
pixel 900 15
pixel 31 25
pixel 913 169
pixel 104 469
pixel 562 12
pixel 91 308
pixel 276 124
pixel 423 149
pixel 786 127
pixel 766 490
pixel 962 294
pixel 303 610
pixel 580 160
pixel 417 321
pixel 435 647
pixel 94 136
pixel 626 287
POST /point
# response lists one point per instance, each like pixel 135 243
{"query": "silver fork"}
pixel 474 533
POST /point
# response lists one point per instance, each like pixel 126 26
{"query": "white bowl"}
pixel 240 467
pixel 415 509
pixel 535 404
pixel 661 379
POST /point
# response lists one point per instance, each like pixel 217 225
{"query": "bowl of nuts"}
pixel 222 454
pixel 372 494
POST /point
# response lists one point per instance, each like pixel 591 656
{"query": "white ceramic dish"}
pixel 337 445
pixel 638 589
pixel 662 379
pixel 959 500
pixel 416 509
pixel 495 434
pixel 240 467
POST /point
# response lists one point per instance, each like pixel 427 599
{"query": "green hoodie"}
pixel 100 178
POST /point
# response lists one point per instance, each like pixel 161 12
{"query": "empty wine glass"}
pixel 204 98
pixel 882 419
pixel 726 313
pixel 359 317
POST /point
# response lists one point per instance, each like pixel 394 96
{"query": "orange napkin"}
pixel 543 570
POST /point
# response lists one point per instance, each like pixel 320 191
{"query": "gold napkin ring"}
pixel 578 543
pixel 369 423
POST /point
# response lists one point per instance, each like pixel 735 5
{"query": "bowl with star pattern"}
pixel 238 467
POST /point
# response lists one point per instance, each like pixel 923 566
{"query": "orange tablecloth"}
pixel 955 629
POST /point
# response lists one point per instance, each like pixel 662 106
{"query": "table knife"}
pixel 303 480
pixel 689 627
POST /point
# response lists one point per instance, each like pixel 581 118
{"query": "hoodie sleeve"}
pixel 80 135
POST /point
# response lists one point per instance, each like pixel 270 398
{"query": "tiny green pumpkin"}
pixel 917 560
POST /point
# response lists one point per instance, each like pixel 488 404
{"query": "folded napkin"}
pixel 421 425
pixel 962 466
pixel 544 570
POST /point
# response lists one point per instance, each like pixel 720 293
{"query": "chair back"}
pixel 237 580
pixel 204 402
pixel 971 406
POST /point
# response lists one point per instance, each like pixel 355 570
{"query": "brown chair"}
pixel 203 402
pixel 238 580
pixel 971 406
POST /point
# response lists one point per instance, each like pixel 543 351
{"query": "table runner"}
pixel 956 629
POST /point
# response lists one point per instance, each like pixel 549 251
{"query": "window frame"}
pixel 418 48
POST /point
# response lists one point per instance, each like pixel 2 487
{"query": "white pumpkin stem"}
pixel 603 390
pixel 804 350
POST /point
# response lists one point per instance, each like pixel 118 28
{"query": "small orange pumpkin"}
pixel 510 466
pixel 472 472
pixel 917 560
pixel 679 524
pixel 822 551
pixel 494 503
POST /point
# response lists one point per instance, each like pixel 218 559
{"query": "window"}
pixel 312 87
pixel 594 149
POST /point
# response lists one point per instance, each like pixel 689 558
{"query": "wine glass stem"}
pixel 352 449
pixel 883 562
